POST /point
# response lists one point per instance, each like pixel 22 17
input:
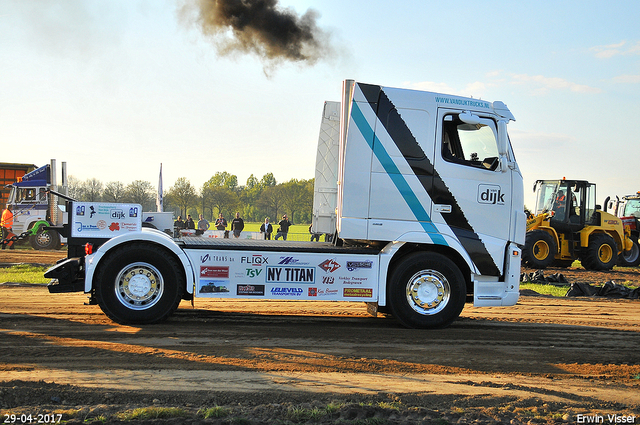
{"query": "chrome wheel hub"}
pixel 139 286
pixel 428 292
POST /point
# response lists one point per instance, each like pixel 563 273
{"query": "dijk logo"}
pixel 490 194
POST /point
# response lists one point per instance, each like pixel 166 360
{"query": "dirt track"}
pixel 538 361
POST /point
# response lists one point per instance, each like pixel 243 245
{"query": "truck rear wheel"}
pixel 426 290
pixel 601 254
pixel 630 258
pixel 539 250
pixel 138 284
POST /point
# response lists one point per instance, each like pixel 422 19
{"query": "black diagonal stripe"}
pixel 429 177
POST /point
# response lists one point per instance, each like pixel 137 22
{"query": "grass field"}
pixel 23 273
pixel 297 232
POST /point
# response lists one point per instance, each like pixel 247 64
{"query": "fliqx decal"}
pixel 435 186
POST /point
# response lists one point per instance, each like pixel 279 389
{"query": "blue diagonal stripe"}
pixel 394 173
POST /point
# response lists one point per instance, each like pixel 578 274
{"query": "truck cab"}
pixel 31 201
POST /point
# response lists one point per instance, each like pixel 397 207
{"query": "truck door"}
pixel 472 192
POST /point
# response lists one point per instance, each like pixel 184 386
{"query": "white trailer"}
pixel 428 211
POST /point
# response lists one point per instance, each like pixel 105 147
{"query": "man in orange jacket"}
pixel 7 227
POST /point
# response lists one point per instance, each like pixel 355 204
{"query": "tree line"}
pixel 257 199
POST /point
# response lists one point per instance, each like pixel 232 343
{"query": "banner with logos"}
pixel 285 275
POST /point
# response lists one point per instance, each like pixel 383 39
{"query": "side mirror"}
pixel 503 143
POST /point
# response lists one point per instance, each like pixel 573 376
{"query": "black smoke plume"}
pixel 260 27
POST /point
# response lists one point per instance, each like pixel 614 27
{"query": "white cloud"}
pixel 627 79
pixel 611 50
pixel 542 84
pixel 540 143
pixel 476 89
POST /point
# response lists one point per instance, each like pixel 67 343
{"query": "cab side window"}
pixel 473 145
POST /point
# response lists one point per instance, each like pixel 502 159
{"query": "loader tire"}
pixel 630 258
pixel 138 283
pixel 427 290
pixel 539 250
pixel 601 254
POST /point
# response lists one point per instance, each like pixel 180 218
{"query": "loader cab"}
pixel 631 207
pixel 572 203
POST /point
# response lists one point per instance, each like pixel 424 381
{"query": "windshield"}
pixel 29 195
pixel 548 195
pixel 570 201
pixel 632 208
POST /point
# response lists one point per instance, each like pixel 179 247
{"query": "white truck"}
pixel 30 201
pixel 430 213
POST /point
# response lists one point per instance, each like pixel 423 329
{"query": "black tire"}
pixel 630 258
pixel 45 239
pixel 539 250
pixel 426 290
pixel 601 254
pixel 158 287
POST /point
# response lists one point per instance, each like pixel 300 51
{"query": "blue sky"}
pixel 115 88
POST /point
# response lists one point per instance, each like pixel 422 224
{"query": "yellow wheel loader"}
pixel 567 225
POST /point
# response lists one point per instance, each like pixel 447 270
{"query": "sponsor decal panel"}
pixel 355 265
pixel 352 280
pixel 283 275
pixel 251 273
pixel 357 292
pixel 213 286
pixel 255 290
pixel 328 280
pixel 215 258
pixel 286 292
pixel 490 194
pixel 328 292
pixel 329 266
pixel 291 261
pixel 255 260
pixel 104 219
pixel 221 272
pixel 290 274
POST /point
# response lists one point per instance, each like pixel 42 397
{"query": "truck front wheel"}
pixel 427 290
pixel 138 284
pixel 45 239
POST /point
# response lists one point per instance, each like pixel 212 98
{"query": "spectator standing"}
pixel 283 228
pixel 221 224
pixel 237 224
pixel 177 226
pixel 189 224
pixel 266 228
pixel 203 225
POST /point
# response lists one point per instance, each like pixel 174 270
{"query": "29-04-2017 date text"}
pixel 40 418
